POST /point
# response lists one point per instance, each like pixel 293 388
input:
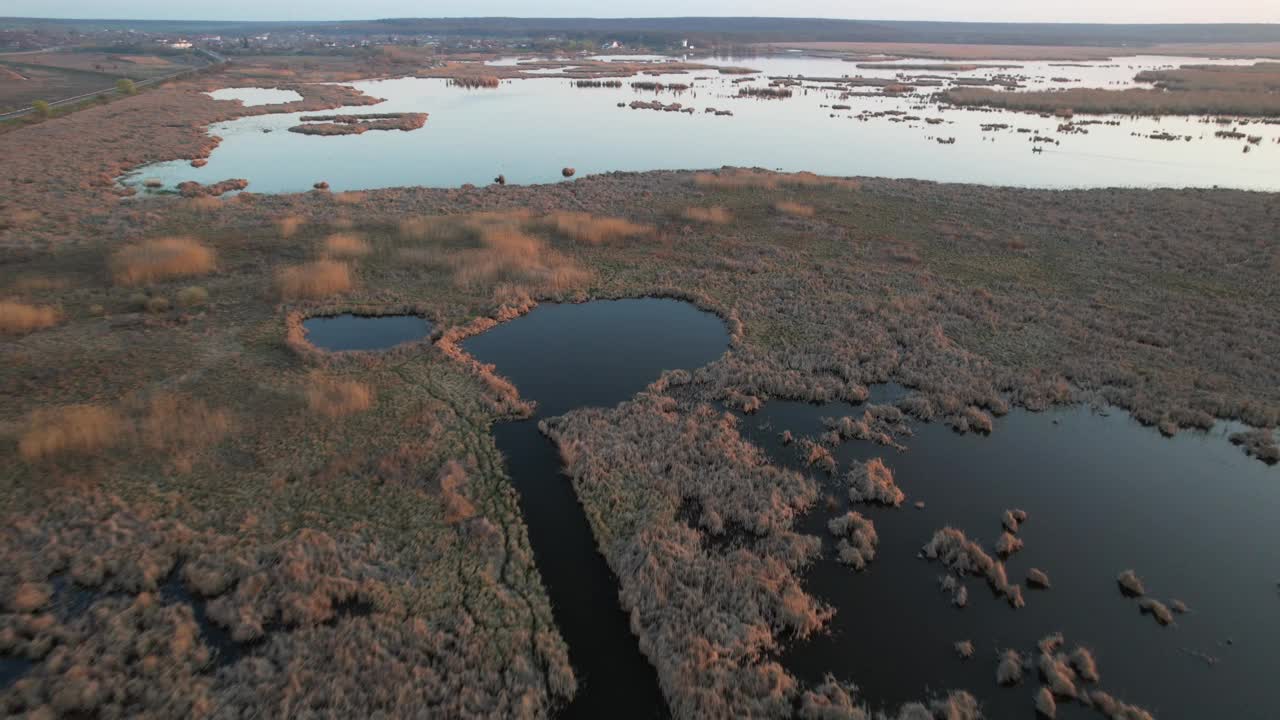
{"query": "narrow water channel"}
pixel 566 357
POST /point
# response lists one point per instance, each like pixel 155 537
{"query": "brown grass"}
pixel 37 283
pixel 415 228
pixel 289 225
pixel 314 280
pixel 334 398
pixel 349 198
pixel 794 209
pixel 19 318
pixel 714 215
pixel 205 203
pixel 70 429
pixel 160 259
pixel 738 179
pixel 587 228
pixel 346 245
pixel 182 426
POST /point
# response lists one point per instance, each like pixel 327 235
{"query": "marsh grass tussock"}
pixel 872 482
pixel 858 539
pixel 1009 668
pixel 335 397
pixel 1130 584
pixel 965 557
pixel 1037 578
pixel 1156 609
pixel 20 318
pixel 314 280
pixel 159 259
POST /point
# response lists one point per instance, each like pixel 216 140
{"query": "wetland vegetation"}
pixel 702 443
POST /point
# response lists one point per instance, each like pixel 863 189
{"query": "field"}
pixel 29 77
pixel 175 457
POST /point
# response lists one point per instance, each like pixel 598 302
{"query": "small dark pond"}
pixel 565 357
pixel 364 332
pixel 1194 516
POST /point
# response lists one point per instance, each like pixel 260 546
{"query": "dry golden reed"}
pixel 587 228
pixel 346 245
pixel 334 398
pixel 70 429
pixel 19 318
pixel 714 215
pixel 314 280
pixel 160 259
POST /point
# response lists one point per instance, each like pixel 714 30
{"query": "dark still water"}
pixel 364 332
pixel 565 357
pixel 1197 519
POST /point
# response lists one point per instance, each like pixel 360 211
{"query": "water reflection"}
pixel 528 130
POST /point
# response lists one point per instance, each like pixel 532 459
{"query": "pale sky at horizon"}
pixel 1105 11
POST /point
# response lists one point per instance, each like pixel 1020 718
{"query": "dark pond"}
pixel 1194 516
pixel 565 357
pixel 364 332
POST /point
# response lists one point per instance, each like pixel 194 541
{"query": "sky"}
pixel 1109 11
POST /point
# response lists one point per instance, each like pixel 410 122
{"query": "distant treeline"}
pixel 706 30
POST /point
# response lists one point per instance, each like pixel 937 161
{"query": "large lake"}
pixel 529 129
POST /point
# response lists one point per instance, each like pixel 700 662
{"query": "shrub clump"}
pixel 20 318
pixel 314 280
pixel 161 259
pixel 194 296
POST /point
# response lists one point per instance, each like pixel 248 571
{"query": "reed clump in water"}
pixel 476 82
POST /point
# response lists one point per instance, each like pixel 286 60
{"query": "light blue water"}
pixel 529 129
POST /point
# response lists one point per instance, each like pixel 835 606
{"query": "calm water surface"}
pixel 565 357
pixel 1192 515
pixel 529 129
pixel 364 332
pixel 250 96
